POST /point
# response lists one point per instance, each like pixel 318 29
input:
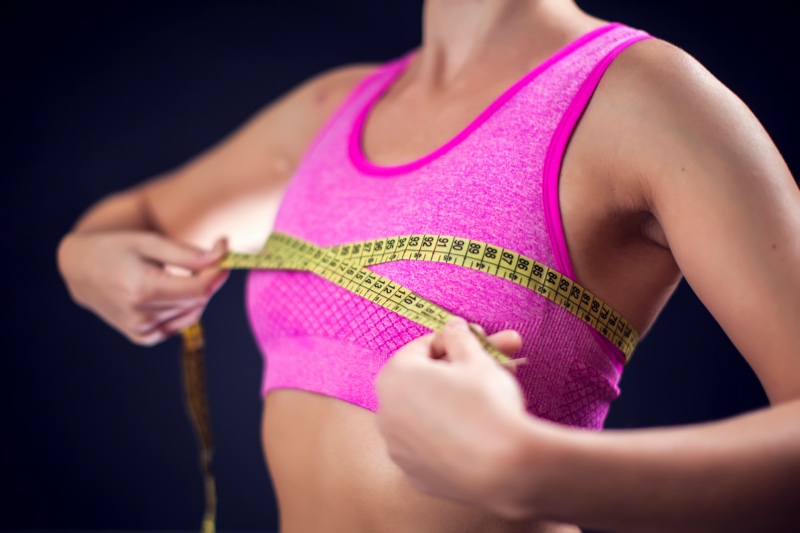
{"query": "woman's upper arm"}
pixel 234 188
pixel 728 206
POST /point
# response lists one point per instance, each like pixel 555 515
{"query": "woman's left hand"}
pixel 448 412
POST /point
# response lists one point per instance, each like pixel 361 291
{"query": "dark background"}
pixel 98 96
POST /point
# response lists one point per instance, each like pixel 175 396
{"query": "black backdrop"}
pixel 98 96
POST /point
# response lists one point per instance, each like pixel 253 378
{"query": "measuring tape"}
pixel 345 265
pixel 196 396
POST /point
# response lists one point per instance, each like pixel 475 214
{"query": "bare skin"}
pixel 328 461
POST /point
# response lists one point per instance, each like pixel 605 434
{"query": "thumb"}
pixel 461 343
pixel 167 251
pixel 419 348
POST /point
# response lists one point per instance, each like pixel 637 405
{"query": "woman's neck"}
pixel 459 33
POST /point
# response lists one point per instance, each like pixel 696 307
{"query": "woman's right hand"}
pixel 125 278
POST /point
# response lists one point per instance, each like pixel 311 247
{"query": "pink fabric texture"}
pixel 497 182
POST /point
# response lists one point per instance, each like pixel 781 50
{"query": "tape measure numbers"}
pixel 344 266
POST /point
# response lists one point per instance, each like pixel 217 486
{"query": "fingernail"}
pixel 218 249
pixel 456 322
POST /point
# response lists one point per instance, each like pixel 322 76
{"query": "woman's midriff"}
pixel 332 474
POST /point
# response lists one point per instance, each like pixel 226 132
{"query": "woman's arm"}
pixel 464 435
pixel 730 211
pixel 115 260
pixel 724 198
pixel 741 474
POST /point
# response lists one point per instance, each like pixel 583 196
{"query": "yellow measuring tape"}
pixel 196 393
pixel 345 265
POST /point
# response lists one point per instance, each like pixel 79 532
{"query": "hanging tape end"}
pixel 193 337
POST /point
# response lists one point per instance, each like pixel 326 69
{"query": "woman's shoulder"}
pixel 659 75
pixel 329 88
pixel 306 107
pixel 658 98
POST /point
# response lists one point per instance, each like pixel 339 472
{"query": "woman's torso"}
pixel 327 460
pixel 331 473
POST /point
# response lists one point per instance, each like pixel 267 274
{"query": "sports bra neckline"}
pixel 397 68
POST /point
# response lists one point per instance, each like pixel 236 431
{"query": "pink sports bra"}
pixel 496 182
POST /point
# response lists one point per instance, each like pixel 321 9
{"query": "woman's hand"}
pixel 125 278
pixel 447 410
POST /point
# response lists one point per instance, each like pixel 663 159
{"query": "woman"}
pixel 328 461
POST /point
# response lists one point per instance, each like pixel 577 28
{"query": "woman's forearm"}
pixel 121 211
pixel 742 474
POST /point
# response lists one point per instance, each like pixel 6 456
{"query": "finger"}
pixel 166 251
pixel 181 322
pixel 152 321
pixel 438 350
pixel 218 282
pixel 438 344
pixel 155 306
pixel 460 343
pixel 151 339
pixel 419 348
pixel 199 286
pixel 507 341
